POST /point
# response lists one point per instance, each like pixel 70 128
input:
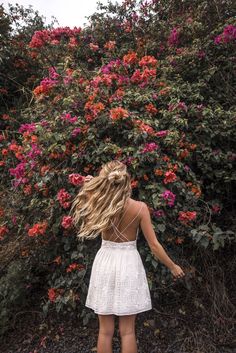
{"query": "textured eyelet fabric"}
pixel 118 283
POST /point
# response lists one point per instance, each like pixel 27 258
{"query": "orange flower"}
pixel 196 191
pixel 193 146
pixel 75 266
pixel 134 183
pixel 145 177
pixel 27 189
pixel 166 158
pixel 34 138
pixel 184 154
pixel 130 58
pixel 170 177
pixel 118 113
pixel 151 108
pixel 38 228
pixel 158 172
pixel 148 60
pixel 57 260
pixel 38 90
pixel 44 169
pixel 110 45
pixel 53 293
pixel 144 127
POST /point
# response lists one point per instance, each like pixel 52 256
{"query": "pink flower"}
pixel 159 213
pixel 169 197
pixel 63 197
pixel 173 39
pixel 67 222
pixel 170 177
pixel 149 147
pixel 75 132
pixel 161 133
pixel 76 179
pixel 185 217
pixel 216 208
pixel 228 35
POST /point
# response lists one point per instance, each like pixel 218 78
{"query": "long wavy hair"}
pixel 101 200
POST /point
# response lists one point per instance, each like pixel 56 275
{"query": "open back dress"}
pixel 118 284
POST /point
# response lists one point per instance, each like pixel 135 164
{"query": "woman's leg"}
pixel 105 335
pixel 127 334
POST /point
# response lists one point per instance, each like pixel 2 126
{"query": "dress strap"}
pixel 118 233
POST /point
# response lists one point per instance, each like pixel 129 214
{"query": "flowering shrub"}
pixel 147 94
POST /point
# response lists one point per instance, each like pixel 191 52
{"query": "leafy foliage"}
pixel 150 84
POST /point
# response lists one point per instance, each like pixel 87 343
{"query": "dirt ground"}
pixel 173 330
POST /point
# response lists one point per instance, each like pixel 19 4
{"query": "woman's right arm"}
pixel 156 248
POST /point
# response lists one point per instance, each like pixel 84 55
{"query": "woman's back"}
pixel 126 227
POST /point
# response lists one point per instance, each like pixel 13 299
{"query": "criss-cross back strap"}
pixel 118 233
pixel 121 217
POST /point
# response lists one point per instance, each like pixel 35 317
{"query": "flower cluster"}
pixel 186 216
pixel 76 179
pixel 67 222
pixel 63 197
pixel 38 229
pixel 169 197
pixel 149 147
pixel 3 231
pixel 54 293
pixel 173 39
pixel 228 35
pixel 170 177
pixel 118 113
pixel 75 266
pixel 52 36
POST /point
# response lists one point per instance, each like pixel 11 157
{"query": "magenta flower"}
pixel 228 35
pixel 75 132
pixel 159 213
pixel 161 133
pixel 149 147
pixel 169 197
pixel 27 127
pixel 173 39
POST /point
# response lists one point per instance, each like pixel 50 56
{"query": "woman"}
pixel 118 283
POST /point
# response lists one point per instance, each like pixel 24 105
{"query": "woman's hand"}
pixel 177 271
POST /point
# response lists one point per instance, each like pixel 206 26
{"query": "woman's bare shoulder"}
pixel 137 204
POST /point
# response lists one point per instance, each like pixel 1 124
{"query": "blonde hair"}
pixel 101 199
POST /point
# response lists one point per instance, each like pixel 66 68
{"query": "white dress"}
pixel 118 283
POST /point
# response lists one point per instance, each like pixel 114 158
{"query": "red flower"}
pixel 67 222
pixel 63 197
pixel 134 184
pixel 38 229
pixel 75 266
pixel 52 295
pixel 3 230
pixel 170 177
pixel 118 113
pixel 151 108
pixel 130 58
pixel 148 60
pixel 76 179
pixel 185 217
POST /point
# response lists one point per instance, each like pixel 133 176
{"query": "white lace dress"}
pixel 118 283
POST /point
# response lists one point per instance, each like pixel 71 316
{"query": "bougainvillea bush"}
pixel 150 84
